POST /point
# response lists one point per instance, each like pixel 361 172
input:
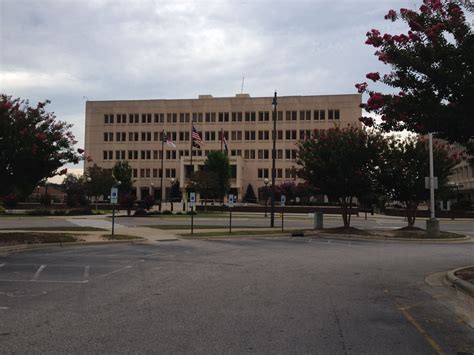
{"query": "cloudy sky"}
pixel 69 51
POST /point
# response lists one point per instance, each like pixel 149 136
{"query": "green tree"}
pixel 217 165
pixel 405 166
pixel 432 71
pixel 249 196
pixel 33 145
pixel 75 190
pixel 342 164
pixel 122 171
pixel 99 181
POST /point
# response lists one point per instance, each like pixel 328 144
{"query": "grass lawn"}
pixel 120 237
pixel 35 238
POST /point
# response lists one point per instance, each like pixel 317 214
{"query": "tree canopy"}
pixel 214 180
pixel 341 163
pixel 122 171
pixel 101 181
pixel 405 166
pixel 432 73
pixel 34 145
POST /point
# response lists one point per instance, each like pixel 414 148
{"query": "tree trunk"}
pixel 343 204
pixel 411 213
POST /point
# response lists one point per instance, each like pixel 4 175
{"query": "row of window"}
pixel 155 173
pixel 266 173
pixel 210 135
pixel 212 117
pixel 249 154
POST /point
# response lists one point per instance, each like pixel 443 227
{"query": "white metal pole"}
pixel 432 197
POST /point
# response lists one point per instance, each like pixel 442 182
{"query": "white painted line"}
pixel 38 272
pixel 115 271
pixel 4 308
pixel 86 272
pixel 2 264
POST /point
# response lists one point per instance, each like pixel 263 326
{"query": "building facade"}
pixel 131 130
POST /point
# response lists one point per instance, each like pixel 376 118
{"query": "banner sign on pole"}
pixel 427 182
pixel 231 200
pixel 282 200
pixel 192 199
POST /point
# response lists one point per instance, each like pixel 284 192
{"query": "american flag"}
pixel 168 140
pixel 197 141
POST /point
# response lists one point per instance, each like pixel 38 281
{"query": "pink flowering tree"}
pixel 431 73
pixel 33 146
pixel 342 163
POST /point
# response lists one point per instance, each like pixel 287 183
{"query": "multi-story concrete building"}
pixel 131 129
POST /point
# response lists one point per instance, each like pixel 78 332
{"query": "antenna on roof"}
pixel 242 87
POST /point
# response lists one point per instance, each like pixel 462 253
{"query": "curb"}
pixel 381 239
pixel 20 247
pixel 459 283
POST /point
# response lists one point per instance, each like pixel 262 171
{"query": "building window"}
pixel 171 154
pixel 264 116
pixel 106 136
pixel 290 135
pixel 223 116
pixel 279 153
pixel 279 173
pixel 159 118
pixel 250 116
pixel 291 115
pixel 263 135
pixel 236 135
pixel 197 117
pixel 262 173
pixel 249 135
pixel 236 116
pixel 279 115
pixel 135 173
pixel 236 152
pixel 334 114
pixel 305 115
pixel 249 154
pixel 263 154
pixel 170 173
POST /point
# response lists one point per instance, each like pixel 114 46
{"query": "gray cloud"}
pixel 64 50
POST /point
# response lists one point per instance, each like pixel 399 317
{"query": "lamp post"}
pixel 171 193
pixel 88 180
pixel 272 212
pixel 265 181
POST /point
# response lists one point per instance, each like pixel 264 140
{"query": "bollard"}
pixel 318 220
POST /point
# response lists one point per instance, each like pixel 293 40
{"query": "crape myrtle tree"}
pixel 431 73
pixel 405 165
pixel 34 145
pixel 342 163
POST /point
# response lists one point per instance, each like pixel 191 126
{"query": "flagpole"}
pixel 162 160
pixel 222 138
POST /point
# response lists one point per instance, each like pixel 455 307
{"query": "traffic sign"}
pixel 114 195
pixel 282 200
pixel 192 199
pixel 231 200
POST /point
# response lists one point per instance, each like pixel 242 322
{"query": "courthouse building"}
pixel 131 130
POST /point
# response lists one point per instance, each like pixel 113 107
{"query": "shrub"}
pixel 179 213
pixel 10 200
pixel 167 212
pixel 45 200
pixel 59 212
pixel 191 213
pixel 39 212
pixel 140 212
pixel 2 210
pixel 462 205
pixel 80 211
pixel 154 213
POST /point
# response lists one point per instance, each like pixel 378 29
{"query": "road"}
pixel 276 295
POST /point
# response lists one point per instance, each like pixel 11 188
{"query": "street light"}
pixel 272 213
pixel 88 180
pixel 265 181
pixel 152 191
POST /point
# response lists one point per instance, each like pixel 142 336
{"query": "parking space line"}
pixel 2 264
pixel 38 272
pixel 115 271
pixel 4 308
pixel 86 272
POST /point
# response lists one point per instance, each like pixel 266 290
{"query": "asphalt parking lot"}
pixel 274 295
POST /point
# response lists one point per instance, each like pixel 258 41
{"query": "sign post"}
pixel 113 201
pixel 231 204
pixel 282 204
pixel 192 203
